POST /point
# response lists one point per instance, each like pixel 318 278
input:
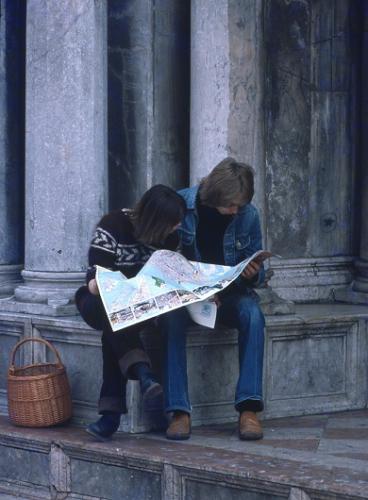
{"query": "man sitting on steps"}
pixel 220 226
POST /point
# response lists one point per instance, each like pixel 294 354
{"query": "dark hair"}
pixel 155 215
pixel 230 182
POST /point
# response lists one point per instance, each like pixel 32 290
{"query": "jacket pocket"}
pixel 242 242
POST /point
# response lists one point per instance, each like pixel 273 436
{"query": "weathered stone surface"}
pixel 310 110
pixel 197 489
pixel 59 471
pixel 297 494
pixel 287 115
pixel 214 462
pixel 12 35
pixel 117 482
pixel 148 96
pixel 37 472
pixel 315 361
pixel 227 86
pixel 66 142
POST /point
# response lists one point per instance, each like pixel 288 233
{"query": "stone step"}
pixel 300 458
pixel 316 360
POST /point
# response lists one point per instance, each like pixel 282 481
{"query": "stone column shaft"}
pixel 66 155
pixel 227 87
pixel 358 292
pixel 148 96
pixel 11 143
pixel 227 98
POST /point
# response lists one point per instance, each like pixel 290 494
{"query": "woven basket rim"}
pixel 27 401
pixel 33 365
pixel 30 378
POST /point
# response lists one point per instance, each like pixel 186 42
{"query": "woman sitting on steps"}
pixel 123 241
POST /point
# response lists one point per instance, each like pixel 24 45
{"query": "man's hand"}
pixel 251 270
pixel 93 288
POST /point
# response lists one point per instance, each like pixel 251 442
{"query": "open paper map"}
pixel 166 282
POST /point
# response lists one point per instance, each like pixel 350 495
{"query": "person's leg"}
pixel 173 326
pixel 125 344
pixel 123 357
pixel 135 364
pixel 243 313
pixel 112 395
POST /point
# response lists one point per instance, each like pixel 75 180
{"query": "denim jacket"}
pixel 241 239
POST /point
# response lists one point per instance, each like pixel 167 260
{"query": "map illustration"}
pixel 166 282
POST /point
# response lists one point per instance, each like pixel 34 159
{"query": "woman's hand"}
pixel 216 300
pixel 93 288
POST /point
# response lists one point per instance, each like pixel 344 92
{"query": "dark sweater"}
pixel 210 234
pixel 115 247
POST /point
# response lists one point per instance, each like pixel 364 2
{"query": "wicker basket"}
pixel 38 395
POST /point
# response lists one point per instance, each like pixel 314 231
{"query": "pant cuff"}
pixel 249 404
pixel 131 358
pixel 172 408
pixel 111 404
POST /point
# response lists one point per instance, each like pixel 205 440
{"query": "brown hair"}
pixel 230 182
pixel 155 215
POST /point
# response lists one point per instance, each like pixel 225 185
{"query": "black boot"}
pixel 151 390
pixel 105 426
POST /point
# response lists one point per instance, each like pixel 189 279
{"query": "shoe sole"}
pixel 97 436
pixel 250 437
pixel 178 437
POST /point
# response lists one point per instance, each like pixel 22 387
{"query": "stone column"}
pixel 227 99
pixel 358 292
pixel 227 67
pixel 148 96
pixel 66 174
pixel 12 32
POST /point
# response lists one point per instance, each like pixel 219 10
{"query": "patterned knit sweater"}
pixel 114 246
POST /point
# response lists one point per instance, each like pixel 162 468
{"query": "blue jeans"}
pixel 236 311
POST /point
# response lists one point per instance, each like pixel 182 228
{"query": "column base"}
pixel 9 279
pixel 45 293
pixel 350 295
pixel 271 303
pixel 357 292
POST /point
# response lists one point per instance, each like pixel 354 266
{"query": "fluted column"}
pixel 12 19
pixel 66 173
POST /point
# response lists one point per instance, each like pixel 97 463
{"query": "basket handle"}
pixel 30 339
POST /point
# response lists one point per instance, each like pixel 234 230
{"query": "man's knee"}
pixel 250 311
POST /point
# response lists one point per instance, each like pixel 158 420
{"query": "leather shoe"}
pixel 105 427
pixel 249 426
pixel 180 427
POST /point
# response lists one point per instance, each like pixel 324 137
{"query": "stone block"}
pixel 104 480
pixel 315 361
pixel 37 473
pixel 315 366
pixel 312 279
pixel 200 489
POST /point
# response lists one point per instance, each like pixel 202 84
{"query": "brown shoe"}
pixel 249 426
pixel 179 428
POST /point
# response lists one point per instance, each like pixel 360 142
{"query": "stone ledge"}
pixel 153 468
pixel 316 360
